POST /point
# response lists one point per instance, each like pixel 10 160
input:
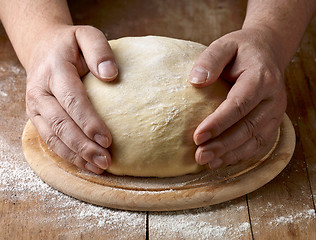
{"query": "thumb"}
pixel 212 61
pixel 97 52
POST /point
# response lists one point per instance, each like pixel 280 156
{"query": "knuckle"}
pixel 222 42
pixel 86 29
pixel 78 161
pixel 260 141
pixel 74 100
pixel 33 95
pixel 84 150
pixel 250 127
pixel 266 73
pixel 240 105
pixel 278 75
pixel 270 76
pixel 225 145
pixel 232 158
pixel 58 125
pixel 90 127
pixel 89 28
pixel 81 29
pixel 32 112
pixel 51 141
pixel 86 126
pixel 71 102
pixel 72 158
pixel 208 54
pixel 66 153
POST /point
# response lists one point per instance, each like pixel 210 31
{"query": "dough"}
pixel 151 109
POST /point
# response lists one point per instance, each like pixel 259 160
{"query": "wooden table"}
pixel 282 209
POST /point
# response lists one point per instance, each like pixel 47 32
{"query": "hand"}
pixel 255 105
pixel 56 100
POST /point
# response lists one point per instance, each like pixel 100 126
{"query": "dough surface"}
pixel 151 109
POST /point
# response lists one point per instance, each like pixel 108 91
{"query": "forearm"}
pixel 26 20
pixel 285 21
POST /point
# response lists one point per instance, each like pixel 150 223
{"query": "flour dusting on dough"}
pixel 171 114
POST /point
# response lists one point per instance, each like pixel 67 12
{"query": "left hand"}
pixel 254 108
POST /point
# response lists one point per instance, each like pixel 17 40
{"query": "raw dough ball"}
pixel 151 109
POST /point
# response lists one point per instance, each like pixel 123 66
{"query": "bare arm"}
pixel 55 55
pixel 254 59
pixel 285 20
pixel 25 21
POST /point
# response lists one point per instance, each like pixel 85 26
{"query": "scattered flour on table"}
pixel 304 216
pixel 294 218
pixel 9 68
pixel 199 224
pixel 19 183
pixel 8 77
pixel 3 94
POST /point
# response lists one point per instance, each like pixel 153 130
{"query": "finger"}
pixel 243 97
pixel 63 126
pixel 68 131
pixel 72 96
pixel 238 134
pixel 97 52
pixel 252 146
pixel 210 64
pixel 50 138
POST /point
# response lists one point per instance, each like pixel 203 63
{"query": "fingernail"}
pixel 199 75
pixel 206 157
pixel 107 70
pixel 202 137
pixel 102 140
pixel 101 161
pixel 216 163
pixel 91 167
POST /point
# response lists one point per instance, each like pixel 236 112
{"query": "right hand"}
pixel 56 99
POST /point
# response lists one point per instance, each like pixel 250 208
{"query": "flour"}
pixel 3 94
pixel 294 218
pixel 9 68
pixel 19 184
pixel 302 217
pixel 172 113
pixel 196 224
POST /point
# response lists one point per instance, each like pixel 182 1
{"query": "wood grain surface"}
pixel 282 209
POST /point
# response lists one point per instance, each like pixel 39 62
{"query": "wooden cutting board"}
pixel 158 194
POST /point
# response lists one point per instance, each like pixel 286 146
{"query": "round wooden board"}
pixel 158 194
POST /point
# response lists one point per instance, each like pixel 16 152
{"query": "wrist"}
pixel 28 20
pixel 39 43
pixel 272 40
pixel 284 22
